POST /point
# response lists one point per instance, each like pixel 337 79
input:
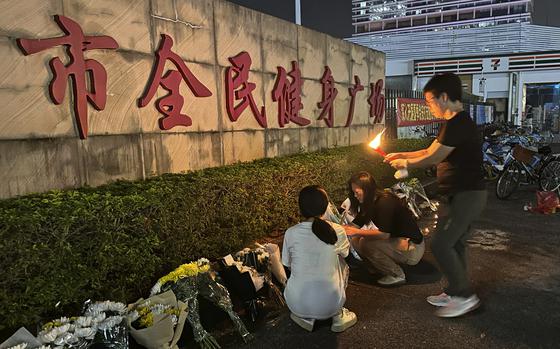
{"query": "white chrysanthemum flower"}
pixel 101 307
pixel 133 316
pixel 84 321
pixel 109 323
pixel 159 308
pixel 85 332
pixel 59 322
pixel 174 320
pixel 156 289
pixel 202 262
pixel 44 347
pixel 47 337
pixel 19 346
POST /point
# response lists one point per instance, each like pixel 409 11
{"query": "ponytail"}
pixel 313 202
pixel 324 231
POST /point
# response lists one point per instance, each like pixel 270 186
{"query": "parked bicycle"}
pixel 525 166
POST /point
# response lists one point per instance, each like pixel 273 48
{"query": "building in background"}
pixel 506 51
pixel 327 16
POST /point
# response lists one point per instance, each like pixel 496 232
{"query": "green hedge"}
pixel 113 241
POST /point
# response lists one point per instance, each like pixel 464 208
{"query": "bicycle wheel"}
pixel 549 178
pixel 509 180
pixel 490 172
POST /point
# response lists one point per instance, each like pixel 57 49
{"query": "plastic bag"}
pixel 547 202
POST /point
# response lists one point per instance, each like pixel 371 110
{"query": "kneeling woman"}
pixel 396 237
pixel 314 251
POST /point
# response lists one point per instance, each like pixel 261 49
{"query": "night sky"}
pixel 333 17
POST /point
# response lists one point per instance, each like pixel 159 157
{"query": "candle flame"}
pixel 376 141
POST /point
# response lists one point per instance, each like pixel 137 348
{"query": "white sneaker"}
pixel 441 300
pixel 390 280
pixel 306 324
pixel 344 320
pixel 458 306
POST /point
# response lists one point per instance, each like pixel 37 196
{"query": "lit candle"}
pixel 376 143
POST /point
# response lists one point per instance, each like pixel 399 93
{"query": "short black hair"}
pixel 448 83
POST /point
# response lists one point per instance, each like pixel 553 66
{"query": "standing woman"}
pixel 314 251
pixel 394 236
pixel 457 152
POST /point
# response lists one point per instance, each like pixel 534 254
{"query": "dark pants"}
pixel 449 244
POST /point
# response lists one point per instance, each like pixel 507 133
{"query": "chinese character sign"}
pixel 288 96
pixel 377 102
pixel 329 94
pixel 89 83
pixel 238 88
pixel 77 68
pixel 353 91
pixel 171 104
pixel 413 112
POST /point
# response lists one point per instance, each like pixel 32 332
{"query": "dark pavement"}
pixel 515 269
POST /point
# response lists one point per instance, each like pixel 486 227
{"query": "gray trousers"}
pixel 449 244
pixel 384 254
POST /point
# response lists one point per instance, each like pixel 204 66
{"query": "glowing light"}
pixel 376 143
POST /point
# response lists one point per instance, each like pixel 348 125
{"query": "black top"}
pixel 462 169
pixel 390 215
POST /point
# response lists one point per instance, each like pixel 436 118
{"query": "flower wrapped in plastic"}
pixel 333 215
pixel 22 339
pixel 265 260
pixel 108 319
pixel 75 332
pixel 157 322
pixel 413 191
pixel 190 280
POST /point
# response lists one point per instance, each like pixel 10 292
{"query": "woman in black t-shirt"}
pixel 384 231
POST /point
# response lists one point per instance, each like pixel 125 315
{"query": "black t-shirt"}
pixel 462 169
pixel 390 215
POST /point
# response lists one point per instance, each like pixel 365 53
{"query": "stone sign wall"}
pixel 41 143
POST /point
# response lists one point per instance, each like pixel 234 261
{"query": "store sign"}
pixel 413 112
pixel 238 86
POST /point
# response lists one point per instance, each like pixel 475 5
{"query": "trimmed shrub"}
pixel 60 248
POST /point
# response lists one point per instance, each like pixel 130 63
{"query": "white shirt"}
pixel 316 288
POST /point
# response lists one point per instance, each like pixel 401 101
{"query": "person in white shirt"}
pixel 314 251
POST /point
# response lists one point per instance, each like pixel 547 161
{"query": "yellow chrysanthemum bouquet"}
pixel 189 281
pixel 157 322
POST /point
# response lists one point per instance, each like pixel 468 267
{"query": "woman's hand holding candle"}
pixel 399 164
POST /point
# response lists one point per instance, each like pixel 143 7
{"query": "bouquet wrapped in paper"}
pixel 275 263
pixel 190 280
pixel 157 322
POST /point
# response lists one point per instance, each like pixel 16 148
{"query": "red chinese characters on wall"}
pixel 239 88
pixel 377 102
pixel 77 68
pixel 353 91
pixel 171 104
pixel 288 96
pixel 89 83
pixel 328 96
